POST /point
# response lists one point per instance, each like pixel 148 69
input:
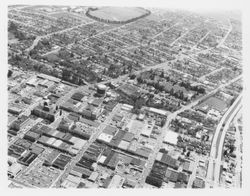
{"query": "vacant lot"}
pixel 117 13
pixel 216 103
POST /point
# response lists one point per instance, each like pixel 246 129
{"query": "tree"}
pixel 132 77
pixel 139 79
pixel 10 73
pixel 181 95
pixel 162 74
pixel 12 27
pixel 163 121
pixel 66 75
pixel 124 70
pixel 139 103
pixel 232 101
pixel 179 138
pixel 111 67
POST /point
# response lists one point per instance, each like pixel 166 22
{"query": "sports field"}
pixel 117 13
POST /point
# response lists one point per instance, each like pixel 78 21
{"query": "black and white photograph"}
pixel 128 97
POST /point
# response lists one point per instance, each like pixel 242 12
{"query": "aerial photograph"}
pixel 124 97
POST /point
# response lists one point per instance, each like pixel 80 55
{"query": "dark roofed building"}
pixel 15 151
pixel 84 173
pixel 171 175
pixel 110 130
pixel 61 161
pixel 169 161
pixel 23 143
pixel 51 157
pixel 198 183
pixel 46 112
pixel 180 185
pixel 77 96
pixel 36 149
pixel 143 152
pixel 17 124
pixel 182 177
pixel 27 158
pixel 31 136
pixel 128 137
pixel 81 185
pixel 97 102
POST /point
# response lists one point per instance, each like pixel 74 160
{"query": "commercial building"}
pixel 116 181
pixel 46 112
pixel 171 138
pixel 91 112
pixel 14 169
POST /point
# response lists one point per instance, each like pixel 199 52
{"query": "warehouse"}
pixel 93 176
pixel 188 166
pixel 116 181
pixel 128 137
pixel 85 163
pixel 171 138
pixel 146 131
pixel 172 175
pixel 27 158
pixel 80 171
pixel 31 136
pixel 36 149
pixel 77 96
pixel 51 157
pixel 23 143
pixel 14 110
pixel 61 161
pixel 169 161
pixel 16 151
pixel 143 152
pixel 110 130
pixel 14 169
pixel 198 183
pixel 157 111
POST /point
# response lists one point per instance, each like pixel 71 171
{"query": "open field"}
pixel 117 13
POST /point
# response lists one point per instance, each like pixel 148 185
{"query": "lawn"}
pixel 117 13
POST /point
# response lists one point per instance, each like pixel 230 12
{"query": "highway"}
pixel 238 142
pixel 165 129
pixel 213 171
pixel 219 152
pixel 217 143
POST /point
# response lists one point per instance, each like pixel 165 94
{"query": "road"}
pixel 219 152
pixel 238 142
pixel 193 175
pixel 79 155
pixel 216 149
pixel 68 29
pixel 165 129
pixel 183 35
pixel 220 43
pixel 38 38
pixel 225 37
pixel 24 130
pixel 160 140
pixel 200 41
pixel 202 78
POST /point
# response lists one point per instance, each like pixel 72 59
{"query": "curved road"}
pixel 217 143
